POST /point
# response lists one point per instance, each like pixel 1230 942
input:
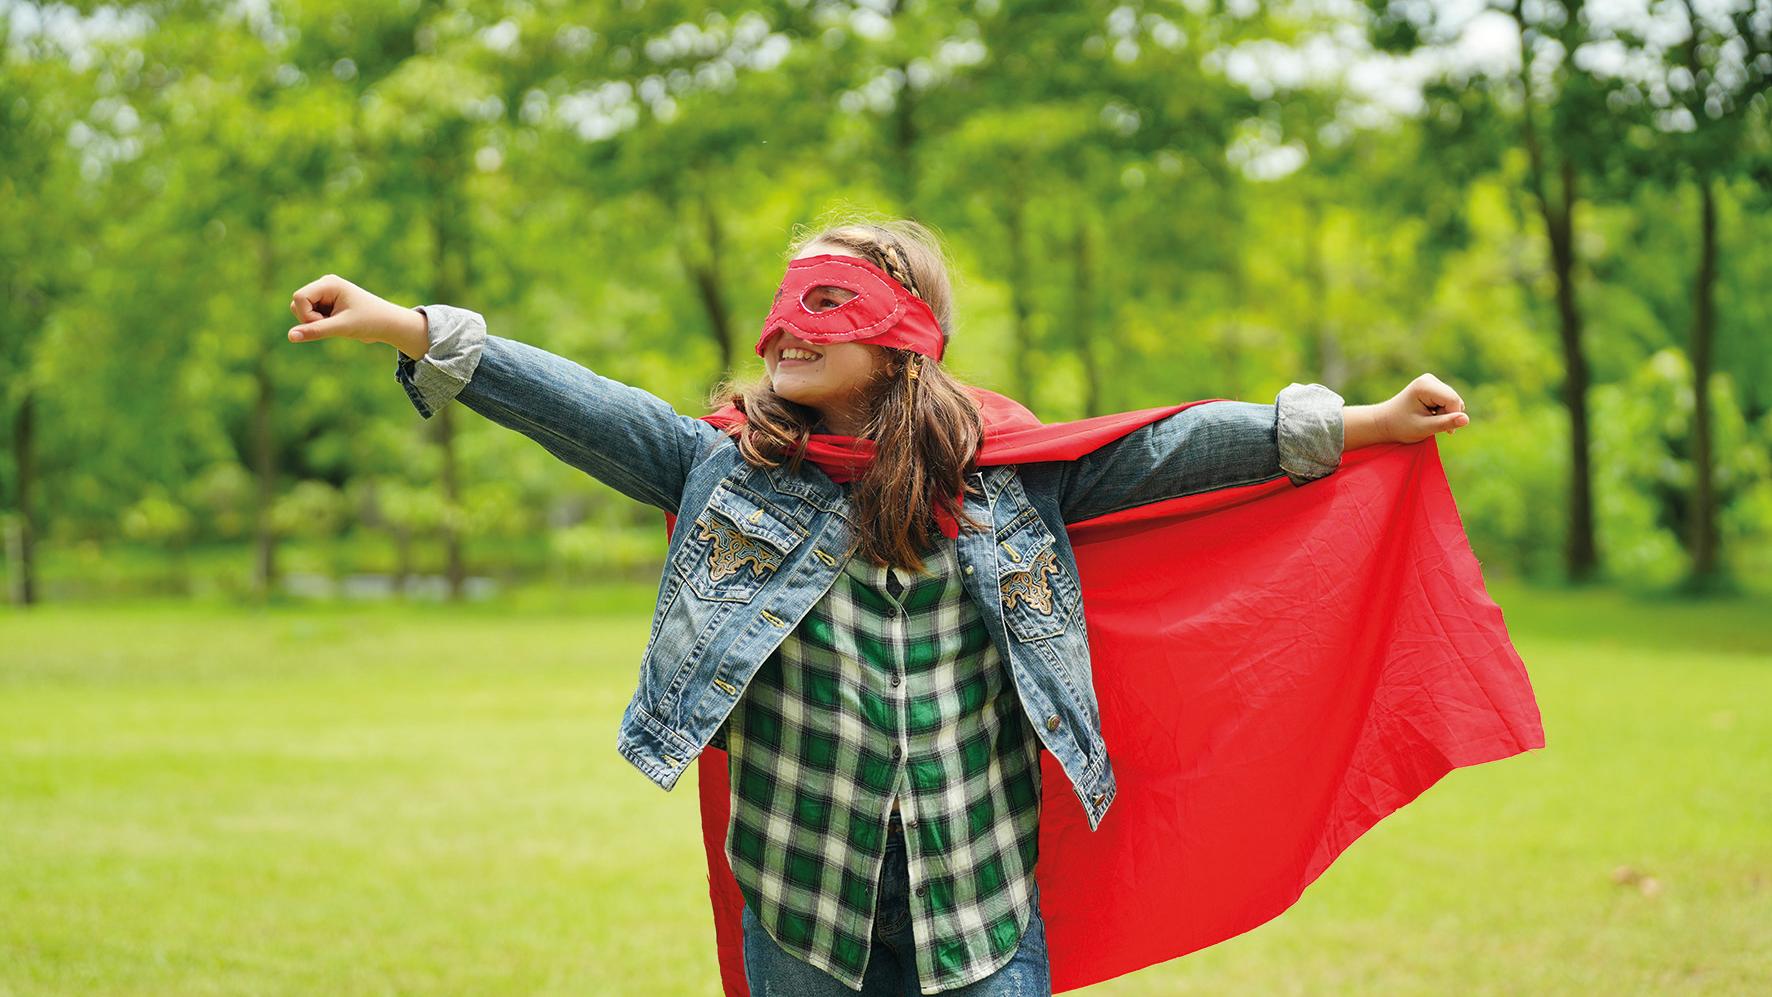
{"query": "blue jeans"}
pixel 892 965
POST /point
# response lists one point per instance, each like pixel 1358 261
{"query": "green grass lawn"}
pixel 428 799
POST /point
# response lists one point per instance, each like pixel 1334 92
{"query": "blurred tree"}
pixel 42 98
pixel 421 147
pixel 1681 84
pixel 235 157
pixel 1708 83
pixel 1566 134
pixel 1144 201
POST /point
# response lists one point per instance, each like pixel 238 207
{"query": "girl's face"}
pixel 833 378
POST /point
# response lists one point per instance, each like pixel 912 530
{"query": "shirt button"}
pixel 1052 722
pixel 896 751
pixel 895 680
pixel 922 890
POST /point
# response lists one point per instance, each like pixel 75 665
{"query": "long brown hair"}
pixel 926 429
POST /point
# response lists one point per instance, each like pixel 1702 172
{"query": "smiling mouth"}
pixel 784 358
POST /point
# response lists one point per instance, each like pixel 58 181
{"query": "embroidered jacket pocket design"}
pixel 739 542
pixel 1031 586
pixel 732 550
pixel 1032 580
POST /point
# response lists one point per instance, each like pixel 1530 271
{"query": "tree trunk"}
pixel 1580 552
pixel 1227 345
pixel 1083 318
pixel 402 559
pixel 1702 513
pixel 1331 361
pixel 264 450
pixel 21 529
pixel 264 460
pixel 448 282
pixel 1020 293
pixel 905 143
pixel 704 274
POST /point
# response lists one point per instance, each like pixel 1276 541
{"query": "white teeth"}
pixel 798 355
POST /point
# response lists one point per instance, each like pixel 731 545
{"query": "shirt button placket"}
pixel 898 750
pixel 898 615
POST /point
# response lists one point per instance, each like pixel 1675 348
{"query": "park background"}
pixel 300 692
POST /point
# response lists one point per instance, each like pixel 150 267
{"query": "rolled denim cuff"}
pixel 456 337
pixel 1310 431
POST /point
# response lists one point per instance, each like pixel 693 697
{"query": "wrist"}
pixel 1363 425
pixel 410 333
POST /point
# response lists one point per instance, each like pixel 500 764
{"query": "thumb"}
pixel 326 328
pixel 1449 422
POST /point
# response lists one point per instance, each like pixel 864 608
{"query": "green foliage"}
pixel 157 519
pixel 220 496
pixel 310 509
pixel 1142 205
pixel 1509 473
pixel 1643 447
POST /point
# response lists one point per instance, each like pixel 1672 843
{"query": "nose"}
pixel 767 343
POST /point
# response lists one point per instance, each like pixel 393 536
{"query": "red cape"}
pixel 1278 668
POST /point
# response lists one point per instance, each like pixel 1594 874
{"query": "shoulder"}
pixel 713 439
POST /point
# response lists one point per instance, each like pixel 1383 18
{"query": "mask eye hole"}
pixel 825 297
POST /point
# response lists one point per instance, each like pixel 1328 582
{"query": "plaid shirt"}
pixel 880 694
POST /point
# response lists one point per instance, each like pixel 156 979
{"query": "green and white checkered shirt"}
pixel 880 694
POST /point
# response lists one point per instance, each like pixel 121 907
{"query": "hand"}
pixel 334 308
pixel 1427 406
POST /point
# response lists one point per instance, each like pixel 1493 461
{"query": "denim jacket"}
pixel 777 540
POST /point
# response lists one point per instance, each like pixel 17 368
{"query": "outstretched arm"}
pixel 1213 445
pixel 624 436
pixel 1229 443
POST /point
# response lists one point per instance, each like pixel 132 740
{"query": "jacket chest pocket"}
pixel 1033 581
pixel 736 545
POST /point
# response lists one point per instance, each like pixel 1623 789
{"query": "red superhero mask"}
pixel 882 312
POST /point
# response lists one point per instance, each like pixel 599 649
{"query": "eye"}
pixel 824 298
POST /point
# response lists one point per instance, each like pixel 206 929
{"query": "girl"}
pixel 869 604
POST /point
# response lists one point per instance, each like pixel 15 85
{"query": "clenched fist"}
pixel 1427 406
pixel 334 308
